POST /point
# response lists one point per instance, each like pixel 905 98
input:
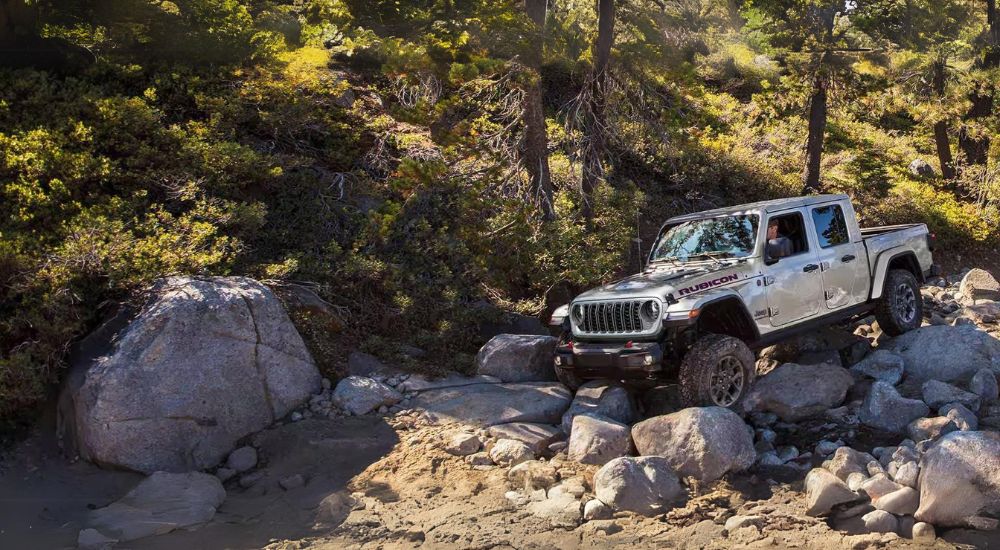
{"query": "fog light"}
pixel 648 360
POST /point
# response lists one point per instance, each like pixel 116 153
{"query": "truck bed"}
pixel 912 236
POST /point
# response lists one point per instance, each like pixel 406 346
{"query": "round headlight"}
pixel 651 310
pixel 577 313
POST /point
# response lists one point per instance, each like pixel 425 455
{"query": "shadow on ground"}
pixel 44 499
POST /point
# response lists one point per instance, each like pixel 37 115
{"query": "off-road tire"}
pixel 901 307
pixel 702 361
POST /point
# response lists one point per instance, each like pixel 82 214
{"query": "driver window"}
pixel 786 236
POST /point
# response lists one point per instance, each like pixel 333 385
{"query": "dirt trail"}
pixel 385 483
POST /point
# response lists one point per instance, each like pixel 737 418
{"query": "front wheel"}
pixel 718 370
pixel 901 308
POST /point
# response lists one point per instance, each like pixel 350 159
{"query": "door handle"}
pixel 810 267
pixel 847 258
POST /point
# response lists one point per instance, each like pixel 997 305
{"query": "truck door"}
pixel 794 282
pixel 840 254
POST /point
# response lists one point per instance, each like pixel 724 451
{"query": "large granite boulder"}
pixel 700 442
pixel 960 479
pixel 945 353
pixel 205 363
pixel 794 392
pixel 518 358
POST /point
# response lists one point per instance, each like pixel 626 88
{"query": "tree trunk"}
pixel 593 154
pixel 535 145
pixel 941 127
pixel 814 143
pixel 976 148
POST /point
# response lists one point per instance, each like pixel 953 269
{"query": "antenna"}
pixel 638 241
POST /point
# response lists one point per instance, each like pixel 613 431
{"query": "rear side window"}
pixel 831 227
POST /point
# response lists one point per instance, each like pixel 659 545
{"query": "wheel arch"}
pixel 728 315
pixel 894 258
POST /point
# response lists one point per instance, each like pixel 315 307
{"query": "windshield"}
pixel 725 237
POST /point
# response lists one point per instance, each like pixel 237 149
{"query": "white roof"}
pixel 762 206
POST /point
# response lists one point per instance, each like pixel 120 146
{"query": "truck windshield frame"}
pixel 721 237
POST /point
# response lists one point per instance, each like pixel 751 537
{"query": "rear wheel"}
pixel 901 308
pixel 718 370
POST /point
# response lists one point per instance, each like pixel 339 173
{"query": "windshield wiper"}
pixel 714 255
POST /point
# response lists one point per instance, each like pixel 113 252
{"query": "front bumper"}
pixel 599 360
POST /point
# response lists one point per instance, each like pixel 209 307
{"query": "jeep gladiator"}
pixel 721 284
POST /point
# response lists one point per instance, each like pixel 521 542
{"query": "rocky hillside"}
pixel 212 427
pixel 421 167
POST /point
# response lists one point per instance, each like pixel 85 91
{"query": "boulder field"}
pixel 182 388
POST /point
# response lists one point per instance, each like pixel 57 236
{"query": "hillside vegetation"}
pixel 417 158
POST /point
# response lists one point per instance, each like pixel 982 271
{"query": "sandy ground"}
pixel 384 483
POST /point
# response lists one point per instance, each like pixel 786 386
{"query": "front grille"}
pixel 611 317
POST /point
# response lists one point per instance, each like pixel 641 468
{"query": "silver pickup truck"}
pixel 720 284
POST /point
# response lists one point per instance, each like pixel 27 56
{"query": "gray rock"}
pixel 880 521
pixel 92 539
pixel 879 485
pixel 492 404
pixel 960 479
pixel 739 522
pixel 479 459
pixel 827 447
pixel 242 459
pixel 460 443
pixel 901 502
pixel 769 458
pixel 882 365
pixel 508 452
pixel 364 364
pixel 794 392
pixel 824 491
pixel 923 429
pixel 945 353
pixel 855 479
pixel 846 461
pixel 644 485
pixel 561 511
pixel 603 397
pixel 532 475
pixel 984 384
pixel 224 474
pixel 159 504
pixel 418 382
pixel 700 442
pixel 518 358
pixel 361 395
pixel 907 474
pixel 923 532
pixel 206 362
pixel 937 394
pixel 536 436
pixel 886 410
pixel 979 284
pixel 292 482
pixel 597 440
pixel 595 509
pixel 962 417
pixel 921 168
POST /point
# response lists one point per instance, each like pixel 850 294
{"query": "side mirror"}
pixel 773 252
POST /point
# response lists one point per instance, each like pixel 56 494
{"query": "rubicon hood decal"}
pixel 709 284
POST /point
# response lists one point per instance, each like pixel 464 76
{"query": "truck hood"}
pixel 657 281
